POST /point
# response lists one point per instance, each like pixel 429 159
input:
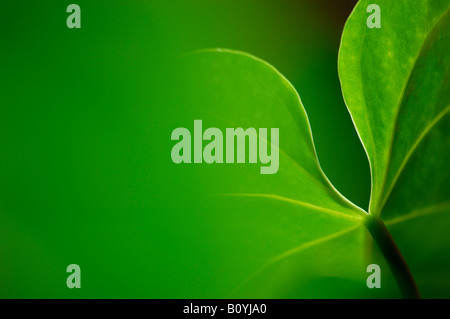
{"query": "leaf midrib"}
pixel 298 249
pixel 430 210
pixel 411 151
pixel 356 218
pixel 397 111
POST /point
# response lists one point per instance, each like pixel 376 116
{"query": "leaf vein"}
pixel 298 203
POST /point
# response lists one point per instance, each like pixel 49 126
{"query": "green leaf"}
pixel 271 219
pixel 395 81
pixel 292 233
pixel 395 84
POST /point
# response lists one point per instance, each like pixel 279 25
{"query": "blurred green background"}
pixel 86 117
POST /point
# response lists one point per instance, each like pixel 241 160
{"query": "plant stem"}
pixel 391 253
